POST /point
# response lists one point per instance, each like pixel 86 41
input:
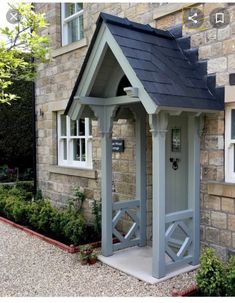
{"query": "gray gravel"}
pixel 32 267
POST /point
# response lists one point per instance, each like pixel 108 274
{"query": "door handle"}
pixel 174 162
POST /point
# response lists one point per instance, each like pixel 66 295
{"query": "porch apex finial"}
pixel 131 91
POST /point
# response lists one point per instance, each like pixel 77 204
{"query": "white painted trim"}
pixel 69 162
pixel 229 145
pixel 64 24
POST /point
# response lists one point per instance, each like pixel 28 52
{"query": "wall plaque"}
pixel 118 145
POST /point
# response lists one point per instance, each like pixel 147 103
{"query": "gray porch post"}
pixel 158 125
pixel 194 181
pixel 105 120
pixel 141 170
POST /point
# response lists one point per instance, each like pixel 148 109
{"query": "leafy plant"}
pixel 76 202
pixel 230 277
pixel 211 274
pixel 96 211
pixel 23 42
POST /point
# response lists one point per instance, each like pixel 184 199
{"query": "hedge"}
pixel 67 225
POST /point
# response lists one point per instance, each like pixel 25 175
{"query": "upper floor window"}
pixel 230 143
pixel 74 142
pixel 71 22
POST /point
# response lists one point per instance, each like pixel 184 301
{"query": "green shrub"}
pixel 211 274
pixel 27 188
pixel 40 215
pixel 45 216
pixel 96 211
pixel 230 278
pixel 75 228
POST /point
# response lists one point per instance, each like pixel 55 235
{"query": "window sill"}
pixel 77 172
pixel 170 9
pixel 70 47
pixel 223 189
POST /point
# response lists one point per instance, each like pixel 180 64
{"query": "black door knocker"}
pixel 174 162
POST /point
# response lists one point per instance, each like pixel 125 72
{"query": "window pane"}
pixel 73 127
pixel 233 124
pixel 69 9
pixel 73 30
pixel 82 127
pixel 81 27
pixel 63 125
pixel 83 150
pixel 79 6
pixel 64 146
pixel 79 150
pixel 76 149
pixel 233 157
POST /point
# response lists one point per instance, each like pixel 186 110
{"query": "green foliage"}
pixel 96 211
pixel 22 44
pixel 27 187
pixel 75 203
pixel 230 278
pixel 16 135
pixel 40 215
pixel 211 274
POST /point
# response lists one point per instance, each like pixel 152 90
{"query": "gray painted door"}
pixel 177 164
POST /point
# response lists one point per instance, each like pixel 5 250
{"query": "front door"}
pixel 177 164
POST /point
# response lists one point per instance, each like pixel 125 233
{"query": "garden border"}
pixel 185 293
pixel 68 248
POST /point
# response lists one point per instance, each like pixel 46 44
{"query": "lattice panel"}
pixel 178 240
pixel 132 235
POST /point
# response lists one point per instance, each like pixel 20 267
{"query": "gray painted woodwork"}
pixel 105 116
pixel 194 181
pixel 177 180
pixel 180 215
pixel 132 237
pixel 105 52
pixel 158 127
pixel 140 116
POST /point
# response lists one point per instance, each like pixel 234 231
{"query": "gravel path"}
pixel 32 267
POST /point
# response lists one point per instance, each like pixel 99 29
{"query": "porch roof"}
pixel 166 73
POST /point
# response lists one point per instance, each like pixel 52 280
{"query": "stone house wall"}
pixel 53 88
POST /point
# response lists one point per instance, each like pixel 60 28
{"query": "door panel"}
pixel 177 164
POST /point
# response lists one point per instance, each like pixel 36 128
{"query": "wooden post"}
pixel 141 169
pixel 105 120
pixel 158 125
pixel 194 182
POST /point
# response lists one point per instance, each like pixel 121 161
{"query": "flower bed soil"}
pixel 68 248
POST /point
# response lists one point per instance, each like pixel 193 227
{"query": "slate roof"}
pixel 169 77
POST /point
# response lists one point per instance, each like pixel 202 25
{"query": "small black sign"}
pixel 118 146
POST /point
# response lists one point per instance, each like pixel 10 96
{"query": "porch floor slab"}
pixel 137 262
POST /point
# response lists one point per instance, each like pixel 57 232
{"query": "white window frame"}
pixel 229 145
pixel 64 24
pixel 70 162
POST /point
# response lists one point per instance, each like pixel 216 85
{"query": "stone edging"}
pixel 70 249
pixel 185 293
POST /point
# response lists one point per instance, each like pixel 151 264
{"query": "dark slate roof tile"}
pixel 170 73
